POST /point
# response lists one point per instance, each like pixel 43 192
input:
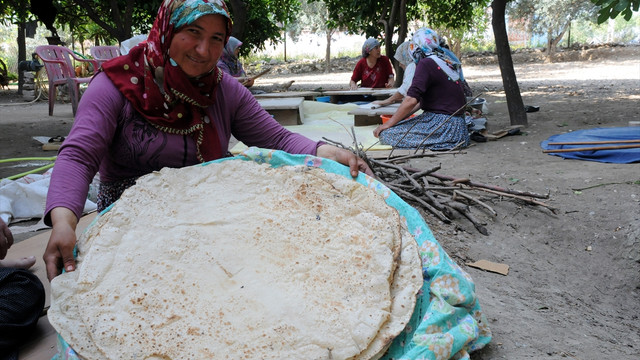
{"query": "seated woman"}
pixel 230 63
pixel 374 70
pixel 406 63
pixel 438 91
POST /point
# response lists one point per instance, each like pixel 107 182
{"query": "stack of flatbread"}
pixel 238 260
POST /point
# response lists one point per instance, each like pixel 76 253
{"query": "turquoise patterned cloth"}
pixel 447 322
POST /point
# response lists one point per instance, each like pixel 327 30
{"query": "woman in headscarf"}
pixel 409 66
pixel 437 89
pixel 230 63
pixel 373 70
pixel 164 104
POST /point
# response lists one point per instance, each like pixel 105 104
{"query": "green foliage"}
pixel 265 20
pixel 550 17
pixel 121 19
pixel 452 14
pixel 367 17
pixel 589 31
pixel 610 9
pixel 387 18
pixel 312 17
pixel 14 11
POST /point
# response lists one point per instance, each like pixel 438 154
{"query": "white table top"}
pixel 361 91
pixel 281 103
pixel 372 110
pixel 287 94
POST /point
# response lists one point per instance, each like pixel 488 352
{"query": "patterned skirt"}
pixel 428 131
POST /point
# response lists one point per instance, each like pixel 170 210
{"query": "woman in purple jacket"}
pixel 164 104
pixel 437 89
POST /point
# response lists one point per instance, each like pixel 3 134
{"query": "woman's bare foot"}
pixel 23 263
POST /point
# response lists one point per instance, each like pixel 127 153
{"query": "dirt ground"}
pixel 573 287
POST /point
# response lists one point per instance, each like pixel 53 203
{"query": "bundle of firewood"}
pixel 443 196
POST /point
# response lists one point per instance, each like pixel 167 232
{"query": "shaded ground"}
pixel 573 287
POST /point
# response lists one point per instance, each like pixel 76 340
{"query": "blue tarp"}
pixel 611 135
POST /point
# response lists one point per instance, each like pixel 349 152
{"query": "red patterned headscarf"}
pixel 160 90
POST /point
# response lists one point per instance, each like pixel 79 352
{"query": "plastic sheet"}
pixel 610 135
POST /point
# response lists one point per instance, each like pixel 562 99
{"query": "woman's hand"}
pixel 390 82
pixel 344 157
pixel 353 85
pixel 59 251
pixel 248 82
pixel 378 130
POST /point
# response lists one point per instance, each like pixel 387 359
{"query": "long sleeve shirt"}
pixel 110 136
pixel 436 92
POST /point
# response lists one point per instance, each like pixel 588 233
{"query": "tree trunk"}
pixel 327 53
pixel 239 11
pixel 22 54
pixel 552 42
pixel 399 12
pixel 517 114
pixel 550 49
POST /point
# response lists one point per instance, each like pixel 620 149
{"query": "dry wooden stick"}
pixel 477 201
pixel 422 173
pixel 401 170
pixel 432 198
pixel 431 187
pixel 417 199
pixel 464 210
pixel 597 142
pixel 525 199
pixel 404 180
pixel 595 148
pixel 260 74
pixel 492 187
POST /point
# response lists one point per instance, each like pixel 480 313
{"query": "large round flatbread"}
pixel 407 281
pixel 234 260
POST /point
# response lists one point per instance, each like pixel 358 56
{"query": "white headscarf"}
pixel 426 43
pixel 402 53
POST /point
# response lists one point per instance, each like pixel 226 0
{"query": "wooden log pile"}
pixel 444 196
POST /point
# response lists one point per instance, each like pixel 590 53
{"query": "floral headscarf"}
pixel 369 45
pixel 402 53
pixel 426 43
pixel 230 59
pixel 156 86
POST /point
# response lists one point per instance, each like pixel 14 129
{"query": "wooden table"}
pixel 307 95
pixel 356 95
pixel 286 111
pixel 365 115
